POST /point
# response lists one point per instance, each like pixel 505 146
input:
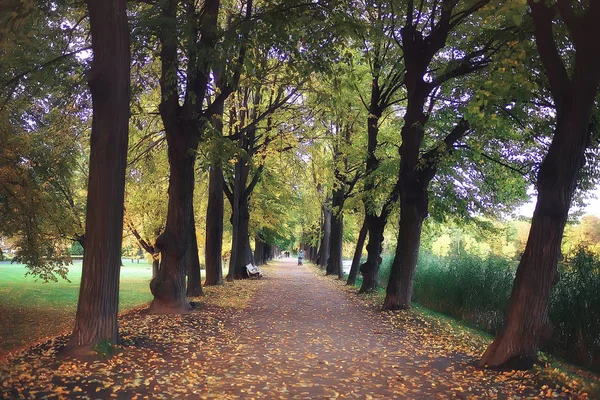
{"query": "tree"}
pixel 571 63
pixel 382 56
pixel 109 80
pixel 184 126
pixel 44 116
pixel 427 70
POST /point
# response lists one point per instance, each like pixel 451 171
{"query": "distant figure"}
pixel 300 256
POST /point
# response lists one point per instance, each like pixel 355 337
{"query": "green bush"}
pixel 575 309
pixel 477 290
pixel 76 249
pixel 466 287
pixel 385 268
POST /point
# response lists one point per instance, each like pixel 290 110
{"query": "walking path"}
pixel 301 336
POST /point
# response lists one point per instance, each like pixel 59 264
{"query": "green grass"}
pixel 33 310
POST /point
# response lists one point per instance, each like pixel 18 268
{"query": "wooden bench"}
pixel 254 271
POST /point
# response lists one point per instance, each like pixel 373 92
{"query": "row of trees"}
pixel 401 110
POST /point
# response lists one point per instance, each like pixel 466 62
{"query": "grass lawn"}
pixel 34 310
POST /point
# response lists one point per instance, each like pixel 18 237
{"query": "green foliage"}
pixel 76 249
pixel 465 286
pixel 43 120
pixel 575 309
pixel 476 290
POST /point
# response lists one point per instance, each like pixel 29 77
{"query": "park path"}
pixel 304 337
pixel 301 335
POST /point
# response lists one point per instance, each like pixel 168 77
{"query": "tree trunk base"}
pixel 366 290
pixel 392 305
pixel 87 353
pixel 519 363
pixel 220 282
pixel 169 308
pixel 194 292
pixel 503 356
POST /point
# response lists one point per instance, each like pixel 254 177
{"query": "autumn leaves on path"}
pixel 293 335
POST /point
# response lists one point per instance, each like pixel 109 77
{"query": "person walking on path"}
pixel 300 256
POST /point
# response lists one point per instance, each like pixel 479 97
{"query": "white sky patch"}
pixel 592 208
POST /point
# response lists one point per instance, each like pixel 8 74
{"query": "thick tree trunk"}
pixel 194 282
pixel 262 251
pixel 527 327
pixel 324 251
pixel 213 251
pixel 413 210
pixel 370 268
pixel 98 304
pixel 314 254
pixel 241 253
pixel 334 263
pixel 214 228
pixel 360 243
pixel 414 180
pixel 169 287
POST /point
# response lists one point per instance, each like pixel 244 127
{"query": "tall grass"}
pixel 477 290
pixel 575 310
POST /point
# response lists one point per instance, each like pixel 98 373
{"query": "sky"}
pixel 593 205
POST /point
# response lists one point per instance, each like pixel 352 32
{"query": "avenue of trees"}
pixel 198 129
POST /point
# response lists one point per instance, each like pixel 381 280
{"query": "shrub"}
pixel 465 286
pixel 477 290
pixel 575 309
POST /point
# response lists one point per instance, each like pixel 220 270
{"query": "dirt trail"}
pixel 301 336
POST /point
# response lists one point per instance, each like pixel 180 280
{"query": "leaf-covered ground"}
pixel 294 334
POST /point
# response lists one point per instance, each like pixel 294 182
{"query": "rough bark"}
pixel 400 284
pixel 184 125
pixel 214 228
pixel 240 247
pixel 527 327
pixel 214 215
pixel 334 263
pixel 109 81
pixel 415 175
pixel 360 243
pixel 375 224
pixel 194 282
pixel 370 268
pixel 169 287
pixel 262 251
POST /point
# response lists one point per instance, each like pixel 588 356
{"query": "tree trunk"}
pixel 527 327
pixel 357 254
pixel 261 251
pixel 414 180
pixel 214 228
pixel 194 283
pixel 334 263
pixel 241 253
pixel 370 268
pixel 326 239
pixel 98 304
pixel 413 210
pixel 169 287
pixel 314 258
